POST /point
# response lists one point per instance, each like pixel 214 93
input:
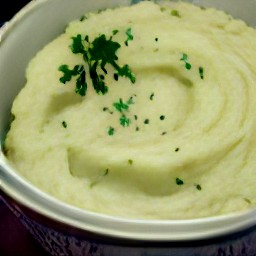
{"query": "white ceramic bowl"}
pixel 65 230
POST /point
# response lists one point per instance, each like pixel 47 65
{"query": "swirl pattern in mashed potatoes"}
pixel 178 143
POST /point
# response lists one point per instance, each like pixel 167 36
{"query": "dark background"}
pixel 9 8
pixel 14 238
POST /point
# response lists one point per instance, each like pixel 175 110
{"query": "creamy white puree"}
pixel 206 138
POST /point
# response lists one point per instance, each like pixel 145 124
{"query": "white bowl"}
pixel 63 229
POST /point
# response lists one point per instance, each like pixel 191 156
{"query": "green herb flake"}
pixel 179 182
pixel 131 100
pixel 151 97
pixel 201 72
pixel 184 58
pixel 146 121
pixel 163 133
pixel 156 39
pixel 135 117
pixel 111 131
pixel 175 13
pixel 162 117
pixel 64 124
pixel 124 72
pixel 130 161
pixel 83 17
pixel 198 187
pixel 137 128
pixel 124 121
pixel 247 200
pixel 115 31
pixel 120 106
pixel 129 35
pixel 177 149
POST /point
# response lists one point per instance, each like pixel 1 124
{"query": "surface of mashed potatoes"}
pixel 146 111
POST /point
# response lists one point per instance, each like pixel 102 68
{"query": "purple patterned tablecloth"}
pixel 15 240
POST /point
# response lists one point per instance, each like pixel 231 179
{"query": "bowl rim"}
pixel 28 195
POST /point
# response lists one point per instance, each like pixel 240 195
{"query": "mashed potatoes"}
pixel 144 112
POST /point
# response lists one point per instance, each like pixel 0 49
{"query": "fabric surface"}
pixel 15 240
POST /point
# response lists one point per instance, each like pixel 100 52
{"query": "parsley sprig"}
pixel 96 54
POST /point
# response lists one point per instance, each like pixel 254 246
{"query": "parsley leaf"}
pixel 77 46
pixel 103 50
pixel 125 71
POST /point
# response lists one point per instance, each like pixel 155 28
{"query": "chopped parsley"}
pixel 129 36
pixel 179 182
pixel 111 131
pixel 175 13
pixel 151 97
pixel 201 72
pixel 96 54
pixel 130 161
pixel 124 121
pixel 146 121
pixel 131 100
pixel 162 117
pixel 64 124
pixel 177 149
pixel 198 187
pixel 120 106
pixel 115 31
pixel 184 58
pixel 247 200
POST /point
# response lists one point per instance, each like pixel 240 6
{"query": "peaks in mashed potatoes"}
pixel 146 111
